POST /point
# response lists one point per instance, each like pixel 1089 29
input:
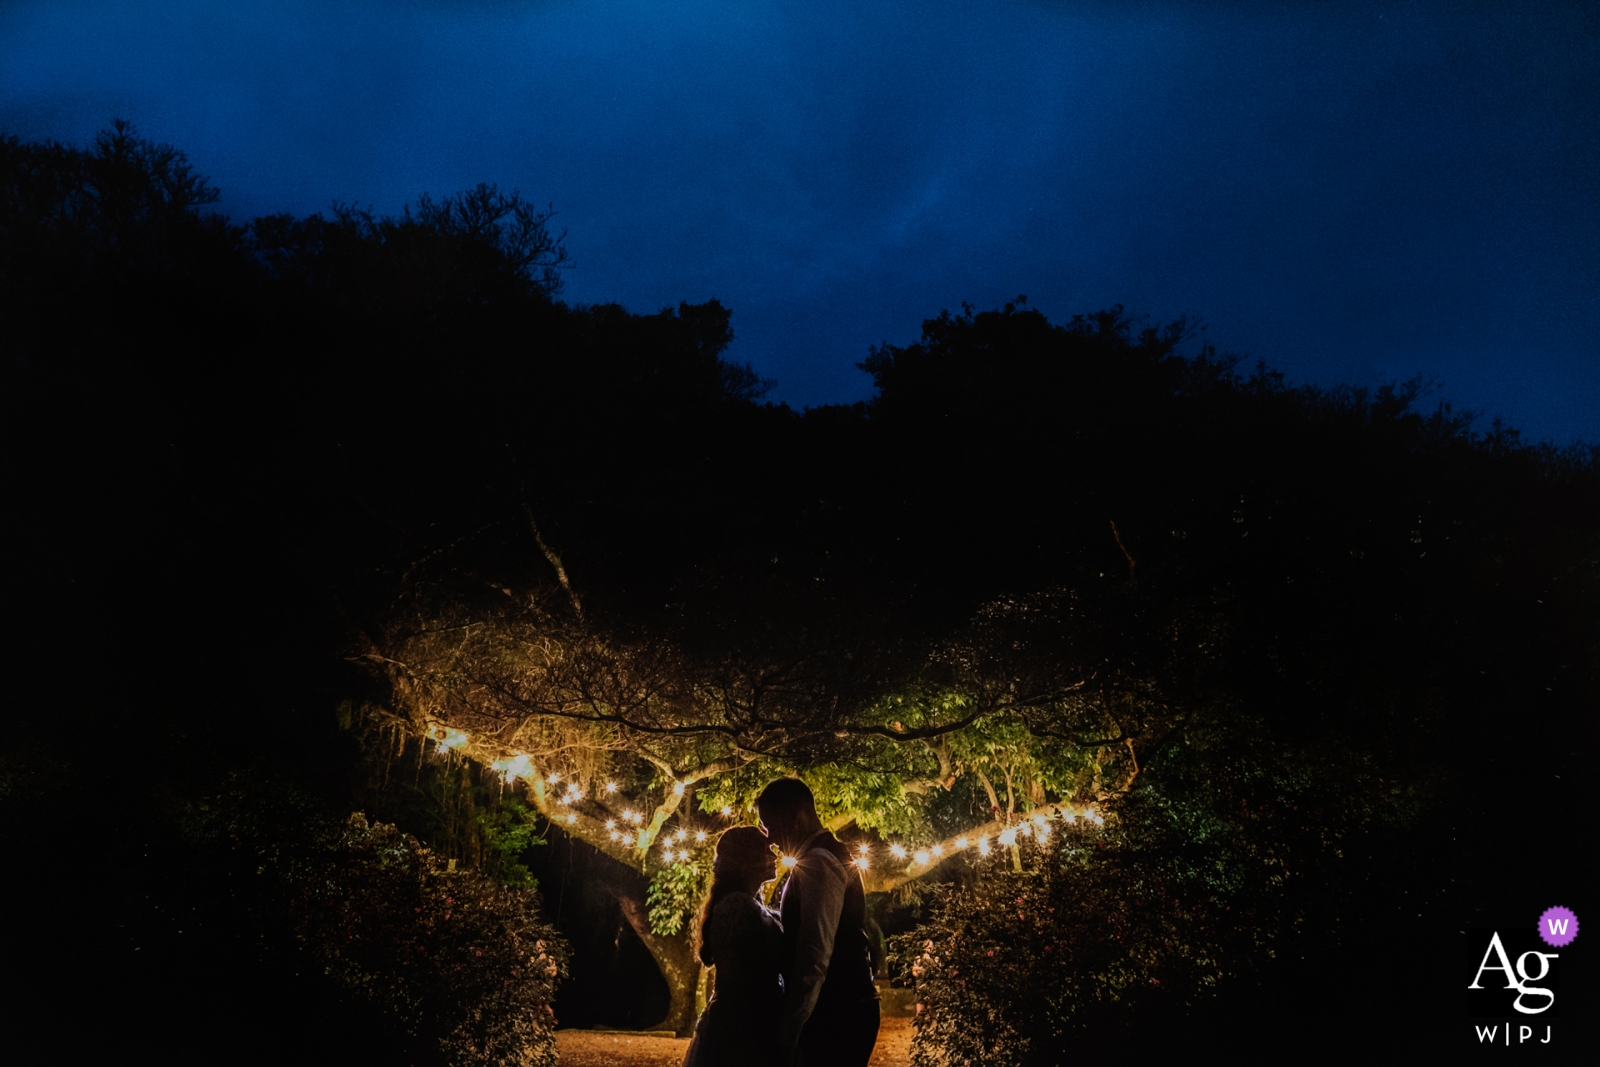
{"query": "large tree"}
pixel 642 748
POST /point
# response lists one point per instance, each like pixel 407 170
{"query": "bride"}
pixel 743 941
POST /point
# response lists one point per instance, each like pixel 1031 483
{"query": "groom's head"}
pixel 788 812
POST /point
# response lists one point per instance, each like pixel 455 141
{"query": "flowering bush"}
pixel 455 958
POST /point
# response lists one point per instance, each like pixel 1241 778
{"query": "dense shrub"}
pixel 1202 873
pixel 459 963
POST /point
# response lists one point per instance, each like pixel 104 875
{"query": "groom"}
pixel 830 1007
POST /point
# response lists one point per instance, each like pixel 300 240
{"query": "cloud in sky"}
pixel 1348 191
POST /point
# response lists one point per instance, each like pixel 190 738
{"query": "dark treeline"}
pixel 227 447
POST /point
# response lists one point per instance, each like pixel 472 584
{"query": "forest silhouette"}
pixel 231 449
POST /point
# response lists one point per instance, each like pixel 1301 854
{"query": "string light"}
pixel 611 824
pixel 787 861
pixel 726 811
pixel 938 850
pixel 859 862
pixel 611 787
pixel 961 842
pixel 1008 836
pixel 983 845
pixel 677 789
pixel 700 837
pixel 512 769
pixel 615 836
pixel 897 851
pixel 863 850
pixel 921 856
pixel 1095 818
pixel 451 738
pixel 680 835
pixel 571 818
pixel 554 778
pixel 1044 833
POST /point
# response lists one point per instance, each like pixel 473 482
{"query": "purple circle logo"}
pixel 1558 926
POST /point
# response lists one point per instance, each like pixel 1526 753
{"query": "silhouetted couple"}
pixel 792 987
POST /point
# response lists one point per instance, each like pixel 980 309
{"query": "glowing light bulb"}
pixel 575 795
pixel 938 850
pixel 920 855
pixel 1044 833
pixel 677 789
pixel 897 851
pixel 1097 820
pixel 628 815
pixel 680 835
pixel 554 778
pixel 961 842
pixel 611 787
pixel 787 861
pixel 861 862
pixel 983 845
pixel 700 837
pixel 863 850
pixel 611 824
pixel 1008 837
pixel 571 818
pixel 615 836
pixel 726 811
pixel 1067 815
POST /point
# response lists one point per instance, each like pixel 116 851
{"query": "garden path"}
pixel 597 1048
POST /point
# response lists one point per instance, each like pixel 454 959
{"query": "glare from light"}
pixel 983 845
pixel 863 850
pixel 861 862
pixel 726 811
pixel 961 842
pixel 897 851
pixel 921 856
pixel 677 789
pixel 1008 836
pixel 787 861
pixel 571 818
pixel 700 837
pixel 611 787
pixel 938 850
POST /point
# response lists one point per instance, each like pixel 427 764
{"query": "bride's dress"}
pixel 744 941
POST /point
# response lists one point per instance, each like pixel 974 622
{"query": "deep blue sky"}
pixel 1348 191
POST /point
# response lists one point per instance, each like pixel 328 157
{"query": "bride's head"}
pixel 744 859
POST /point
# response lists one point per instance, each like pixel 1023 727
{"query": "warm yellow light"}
pixel 938 850
pixel 920 855
pixel 451 738
pixel 700 837
pixel 787 861
pixel 554 778
pixel 1096 819
pixel 611 824
pixel 1008 837
pixel 680 835
pixel 630 816
pixel 1067 815
pixel 615 836
pixel 1044 833
pixel 863 850
pixel 611 787
pixel 862 863
pixel 677 788
pixel 897 851
pixel 571 818
pixel 983 845
pixel 726 810
pixel 961 842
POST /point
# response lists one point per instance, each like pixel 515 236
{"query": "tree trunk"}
pixel 675 956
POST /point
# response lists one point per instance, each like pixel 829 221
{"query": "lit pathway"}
pixel 589 1048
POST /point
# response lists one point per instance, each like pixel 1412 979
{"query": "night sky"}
pixel 1348 191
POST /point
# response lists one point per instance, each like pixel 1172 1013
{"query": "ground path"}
pixel 598 1048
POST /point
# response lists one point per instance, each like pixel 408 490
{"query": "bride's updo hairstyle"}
pixel 744 855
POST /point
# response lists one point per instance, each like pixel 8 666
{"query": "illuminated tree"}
pixel 643 751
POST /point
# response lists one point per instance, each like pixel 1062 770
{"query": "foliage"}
pixel 1219 857
pixel 449 954
pixel 676 892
